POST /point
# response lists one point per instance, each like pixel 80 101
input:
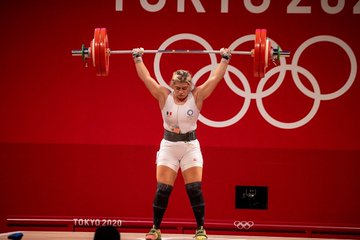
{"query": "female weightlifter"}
pixel 179 148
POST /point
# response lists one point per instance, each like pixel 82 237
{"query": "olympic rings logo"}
pixel 244 224
pixel 260 93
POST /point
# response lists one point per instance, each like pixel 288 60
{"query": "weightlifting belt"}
pixel 179 137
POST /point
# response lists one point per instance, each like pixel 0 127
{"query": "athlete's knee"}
pixel 162 195
pixel 195 194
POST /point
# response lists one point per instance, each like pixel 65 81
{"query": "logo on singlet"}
pixel 190 112
pixel 168 113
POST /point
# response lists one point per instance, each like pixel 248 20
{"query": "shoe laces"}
pixel 200 231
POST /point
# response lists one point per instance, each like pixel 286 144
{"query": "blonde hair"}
pixel 181 76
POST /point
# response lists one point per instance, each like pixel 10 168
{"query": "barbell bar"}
pixel 79 52
pixel 99 52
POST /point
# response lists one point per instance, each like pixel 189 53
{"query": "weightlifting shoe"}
pixel 200 234
pixel 154 234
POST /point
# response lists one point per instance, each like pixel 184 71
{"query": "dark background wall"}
pixel 73 144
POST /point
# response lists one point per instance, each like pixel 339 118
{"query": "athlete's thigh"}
pixel 165 175
pixel 193 174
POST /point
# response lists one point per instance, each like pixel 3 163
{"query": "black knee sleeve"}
pixel 195 194
pixel 197 201
pixel 162 195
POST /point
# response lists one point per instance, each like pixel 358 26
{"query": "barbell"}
pixel 99 52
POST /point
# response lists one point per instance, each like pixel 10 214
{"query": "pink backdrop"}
pixel 73 144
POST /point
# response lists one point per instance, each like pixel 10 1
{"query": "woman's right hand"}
pixel 137 52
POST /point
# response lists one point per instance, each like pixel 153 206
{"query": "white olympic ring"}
pixel 182 36
pixel 244 224
pixel 353 67
pixel 301 122
pixel 260 94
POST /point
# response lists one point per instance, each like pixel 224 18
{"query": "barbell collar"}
pixel 84 52
pixel 76 53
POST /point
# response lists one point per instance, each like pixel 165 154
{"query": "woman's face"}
pixel 181 90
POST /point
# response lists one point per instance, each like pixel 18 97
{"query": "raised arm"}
pixel 156 90
pixel 204 90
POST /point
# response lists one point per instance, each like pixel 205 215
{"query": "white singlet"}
pixel 182 155
pixel 182 117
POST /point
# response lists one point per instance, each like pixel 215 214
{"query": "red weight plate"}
pixel 268 50
pixel 104 55
pixel 256 53
pixel 92 52
pixel 107 54
pixel 101 54
pixel 263 52
pixel 268 55
pixel 96 52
